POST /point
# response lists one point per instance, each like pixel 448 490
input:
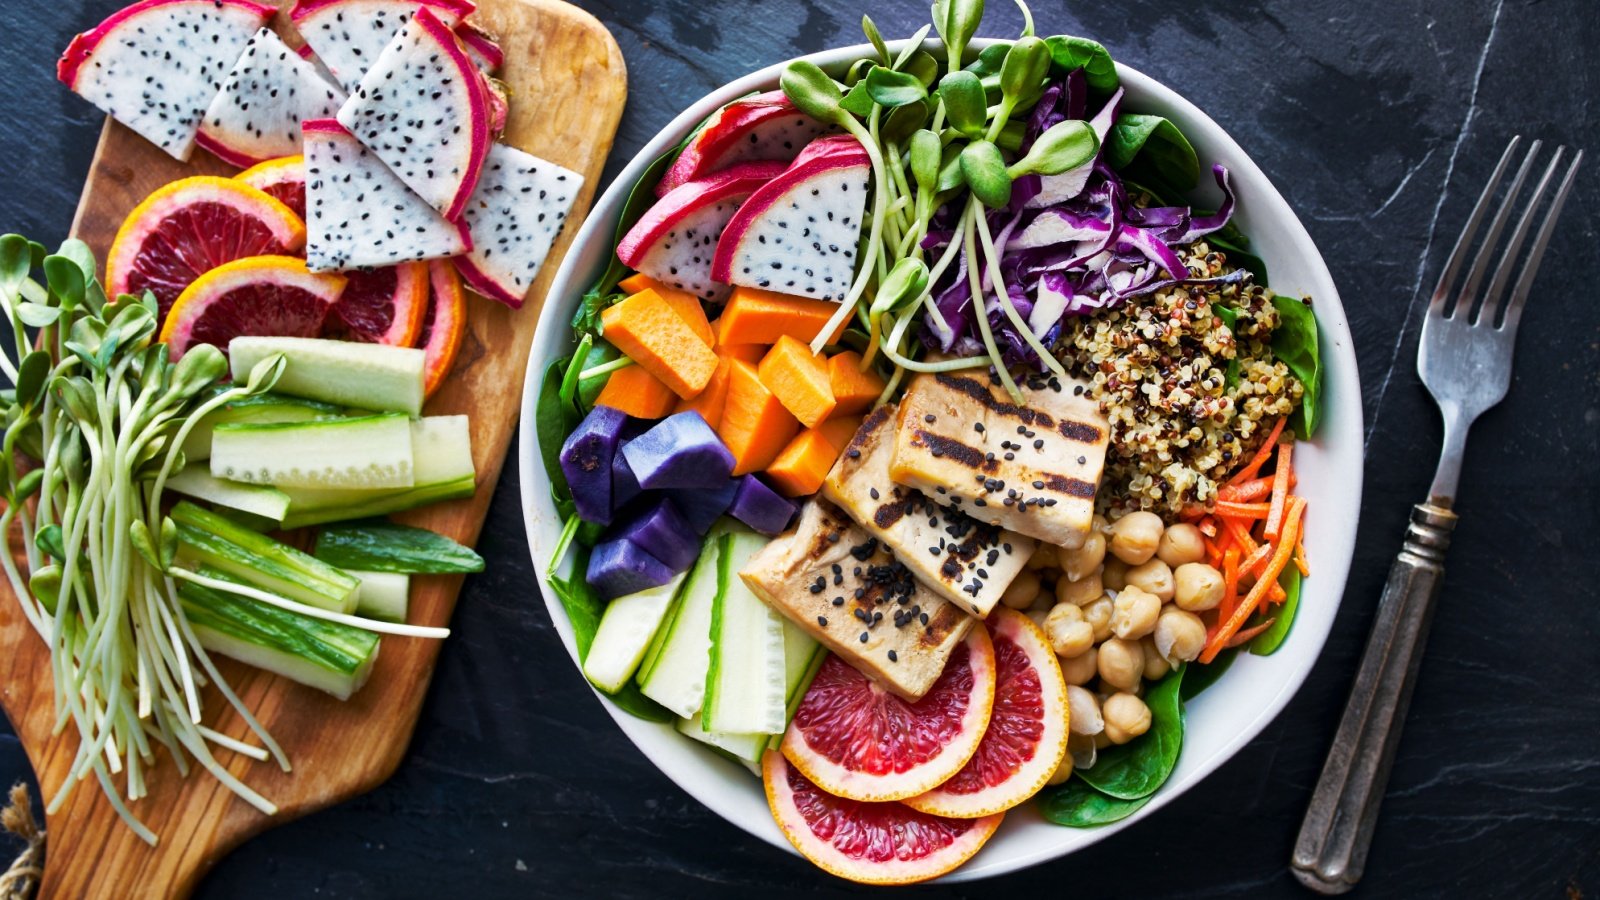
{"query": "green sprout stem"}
pixel 993 260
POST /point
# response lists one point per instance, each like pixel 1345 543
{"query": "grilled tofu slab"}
pixel 1032 467
pixel 962 559
pixel 846 589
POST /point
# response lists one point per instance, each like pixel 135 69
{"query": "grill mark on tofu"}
pixel 1082 432
pixel 1072 487
pixel 939 445
pixel 979 391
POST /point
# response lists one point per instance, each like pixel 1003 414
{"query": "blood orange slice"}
pixel 860 742
pixel 872 843
pixel 263 295
pixel 282 179
pixel 1027 733
pixel 381 306
pixel 443 324
pixel 190 227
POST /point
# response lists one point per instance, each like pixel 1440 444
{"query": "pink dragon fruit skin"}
pixel 257 115
pixel 423 108
pixel 797 234
pixel 482 47
pixel 358 214
pixel 676 239
pixel 514 216
pixel 762 127
pixel 156 65
pixel 348 35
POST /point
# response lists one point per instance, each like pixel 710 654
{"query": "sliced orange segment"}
pixel 443 324
pixel 282 179
pixel 262 295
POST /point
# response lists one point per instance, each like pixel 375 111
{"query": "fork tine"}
pixel 1468 300
pixel 1490 309
pixel 1519 294
pixel 1458 254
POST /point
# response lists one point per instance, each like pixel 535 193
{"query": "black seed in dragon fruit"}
pixel 156 65
pixel 424 109
pixel 763 127
pixel 263 101
pixel 797 234
pixel 348 35
pixel 676 240
pixel 514 217
pixel 358 214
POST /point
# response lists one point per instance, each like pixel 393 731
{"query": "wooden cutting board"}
pixel 567 84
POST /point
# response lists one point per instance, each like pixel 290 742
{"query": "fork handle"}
pixel 1331 852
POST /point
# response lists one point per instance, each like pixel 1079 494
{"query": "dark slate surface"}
pixel 1377 119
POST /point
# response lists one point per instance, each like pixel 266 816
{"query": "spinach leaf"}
pixel 1295 343
pixel 1199 677
pixel 1136 769
pixel 1163 154
pixel 1267 642
pixel 1077 805
pixel 589 388
pixel 584 609
pixel 378 545
pixel 1068 53
pixel 1230 318
pixel 553 420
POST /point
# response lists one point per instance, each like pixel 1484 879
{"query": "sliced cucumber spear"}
pixel 361 452
pixel 803 656
pixel 745 682
pixel 626 629
pixel 255 408
pixel 442 469
pixel 256 499
pixel 674 670
pixel 366 376
pixel 386 547
pixel 385 596
pixel 208 538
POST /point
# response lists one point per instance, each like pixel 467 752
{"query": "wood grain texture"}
pixel 568 86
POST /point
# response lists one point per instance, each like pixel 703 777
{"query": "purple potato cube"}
pixel 661 531
pixel 760 506
pixel 586 462
pixel 703 506
pixel 681 451
pixel 624 487
pixel 619 567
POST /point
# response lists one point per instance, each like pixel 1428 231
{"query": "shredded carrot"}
pixel 1276 594
pixel 1268 580
pixel 1300 555
pixel 1245 636
pixel 1280 491
pixel 1208 527
pixel 1254 489
pixel 1256 558
pixel 1240 535
pixel 1229 510
pixel 1263 453
pixel 1230 582
pixel 1213 555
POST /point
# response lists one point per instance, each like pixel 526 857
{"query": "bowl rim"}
pixel 1341 386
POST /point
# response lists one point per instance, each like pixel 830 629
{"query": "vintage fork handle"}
pixel 1331 852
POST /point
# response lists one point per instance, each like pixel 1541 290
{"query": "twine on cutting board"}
pixel 21 880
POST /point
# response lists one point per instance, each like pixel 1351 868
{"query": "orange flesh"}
pixel 838 431
pixel 637 393
pixel 761 317
pixel 709 402
pixel 802 466
pixel 856 391
pixel 799 380
pixel 755 427
pixel 650 332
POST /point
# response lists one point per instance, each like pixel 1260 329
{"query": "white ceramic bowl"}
pixel 1220 721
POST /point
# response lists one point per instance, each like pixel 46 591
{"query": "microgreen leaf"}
pixel 904 121
pixel 28 484
pixel 858 102
pixel 202 365
pixel 139 536
pixel 812 91
pixel 925 159
pixel 37 315
pixel 65 279
pixel 45 586
pixel 264 374
pixel 964 103
pixel 905 284
pixel 79 252
pixel 48 540
pixel 169 542
pixel 31 376
pixel 870 29
pixel 923 66
pixel 15 263
pixel 891 89
pixel 984 170
pixel 1063 146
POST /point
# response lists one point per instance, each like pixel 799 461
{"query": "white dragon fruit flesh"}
pixel 359 214
pixel 156 65
pixel 797 234
pixel 674 241
pixel 514 218
pixel 270 91
pixel 763 127
pixel 424 109
pixel 349 34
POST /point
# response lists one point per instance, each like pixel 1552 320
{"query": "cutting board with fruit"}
pixel 564 89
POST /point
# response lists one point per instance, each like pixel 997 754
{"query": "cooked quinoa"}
pixel 1158 368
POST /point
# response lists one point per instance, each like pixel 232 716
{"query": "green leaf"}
pixel 65 278
pixel 1068 53
pixel 1077 805
pixel 925 158
pixel 1267 642
pixel 201 367
pixel 16 262
pixel 989 61
pixel 1230 318
pixel 964 103
pixel 45 585
pixel 169 542
pixel 37 315
pixel 905 284
pixel 891 89
pixel 48 540
pixel 79 252
pixel 1163 154
pixel 378 545
pixel 139 535
pixel 1239 256
pixel 553 421
pixel 1025 66
pixel 584 609
pixel 984 171
pixel 32 374
pixel 904 121
pixel 1136 769
pixel 1296 344
pixel 812 91
pixel 923 66
pixel 1063 146
pixel 589 388
pixel 960 22
pixel 870 29
pixel 28 484
pixel 1199 677
pixel 263 375
pixel 858 102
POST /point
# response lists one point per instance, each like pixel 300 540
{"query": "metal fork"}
pixel 1465 361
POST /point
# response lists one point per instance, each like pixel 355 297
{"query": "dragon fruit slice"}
pixel 514 217
pixel 675 241
pixel 156 65
pixel 424 109
pixel 797 234
pixel 763 127
pixel 348 35
pixel 359 214
pixel 270 91
pixel 482 47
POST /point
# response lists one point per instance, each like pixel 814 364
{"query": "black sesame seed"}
pixel 823 621
pixel 863 637
pixel 893 657
pixel 838 601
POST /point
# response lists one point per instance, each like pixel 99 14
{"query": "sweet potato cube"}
pixel 709 402
pixel 685 303
pixel 854 390
pixel 838 430
pixel 799 379
pixel 755 426
pixel 803 465
pixel 649 331
pixel 637 393
pixel 755 316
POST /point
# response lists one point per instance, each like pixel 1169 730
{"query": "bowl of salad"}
pixel 941 453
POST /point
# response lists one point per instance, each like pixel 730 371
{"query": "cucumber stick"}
pixel 745 689
pixel 361 452
pixel 803 656
pixel 257 408
pixel 256 559
pixel 442 469
pixel 256 499
pixel 674 671
pixel 365 376
pixel 626 629
pixel 385 596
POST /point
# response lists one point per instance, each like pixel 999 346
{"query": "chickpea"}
pixel 1044 557
pixel 1156 666
pixel 1083 711
pixel 1022 590
pixel 1121 663
pixel 1197 587
pixel 1076 564
pixel 1179 634
pixel 1134 612
pixel 1081 669
pixel 1114 575
pixel 1181 544
pixel 1153 576
pixel 1098 615
pixel 1069 634
pixel 1085 590
pixel 1125 717
pixel 1063 771
pixel 1134 537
